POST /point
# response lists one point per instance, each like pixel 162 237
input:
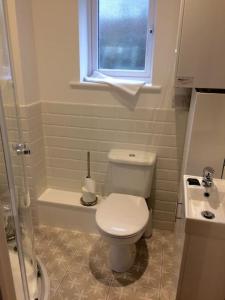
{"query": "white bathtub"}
pixel 63 209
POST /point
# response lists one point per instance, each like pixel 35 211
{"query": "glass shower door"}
pixel 14 191
pixel 20 222
pixel 10 215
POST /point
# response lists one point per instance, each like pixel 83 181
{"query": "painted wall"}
pixel 22 45
pixel 205 140
pixel 55 24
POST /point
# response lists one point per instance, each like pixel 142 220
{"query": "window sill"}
pixel 147 88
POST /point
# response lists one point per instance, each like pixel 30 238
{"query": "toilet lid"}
pixel 122 215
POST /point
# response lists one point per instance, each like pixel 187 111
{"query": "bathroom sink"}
pixel 205 207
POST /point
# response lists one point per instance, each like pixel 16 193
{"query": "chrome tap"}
pixel 207 179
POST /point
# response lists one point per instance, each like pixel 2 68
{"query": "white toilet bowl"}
pixel 121 220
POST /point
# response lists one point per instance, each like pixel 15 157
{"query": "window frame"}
pixel 93 46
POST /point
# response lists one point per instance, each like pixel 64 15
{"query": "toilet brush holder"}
pixel 88 198
pixel 88 190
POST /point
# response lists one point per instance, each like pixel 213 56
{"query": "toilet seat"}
pixel 122 216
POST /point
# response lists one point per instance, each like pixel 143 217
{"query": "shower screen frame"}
pixel 7 290
pixel 10 176
pixel 18 200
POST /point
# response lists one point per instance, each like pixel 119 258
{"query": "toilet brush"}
pixel 88 165
pixel 88 190
pixel 89 182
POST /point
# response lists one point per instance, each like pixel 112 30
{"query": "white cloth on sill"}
pixel 131 87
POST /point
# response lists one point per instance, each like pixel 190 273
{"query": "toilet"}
pixel 123 216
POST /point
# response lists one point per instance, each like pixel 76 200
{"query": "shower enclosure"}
pixel 29 277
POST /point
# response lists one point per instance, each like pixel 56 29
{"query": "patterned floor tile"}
pixel 169 280
pixel 54 254
pixel 82 286
pixel 146 271
pixel 167 294
pixel 133 293
pixel 78 268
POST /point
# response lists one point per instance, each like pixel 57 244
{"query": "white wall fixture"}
pixel 202 274
pixel 201 61
pixel 205 137
pixel 124 215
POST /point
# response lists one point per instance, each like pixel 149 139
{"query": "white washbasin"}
pixel 198 199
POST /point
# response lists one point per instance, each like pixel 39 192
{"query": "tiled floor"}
pixel 77 266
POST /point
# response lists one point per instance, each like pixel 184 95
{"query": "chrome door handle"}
pixel 21 149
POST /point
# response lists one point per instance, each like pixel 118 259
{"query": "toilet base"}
pixel 122 257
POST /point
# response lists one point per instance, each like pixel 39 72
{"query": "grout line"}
pixel 80 171
pixel 109 289
pixel 60 114
pixel 98 161
pixel 161 272
pixel 102 141
pixel 76 150
pixel 152 124
pixel 111 130
pixel 60 282
pixel 115 117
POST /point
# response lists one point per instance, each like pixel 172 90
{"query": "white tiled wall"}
pixel 60 134
pixel 70 130
pixel 35 167
pixel 31 123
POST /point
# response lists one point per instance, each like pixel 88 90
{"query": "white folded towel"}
pixel 130 87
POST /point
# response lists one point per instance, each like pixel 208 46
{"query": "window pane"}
pixel 122 34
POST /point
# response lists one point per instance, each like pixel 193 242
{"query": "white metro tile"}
pixel 169 164
pixel 166 185
pixel 165 206
pixel 165 195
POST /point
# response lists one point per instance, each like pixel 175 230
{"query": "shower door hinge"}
pixel 21 149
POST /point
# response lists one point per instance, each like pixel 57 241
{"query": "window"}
pixel 121 37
